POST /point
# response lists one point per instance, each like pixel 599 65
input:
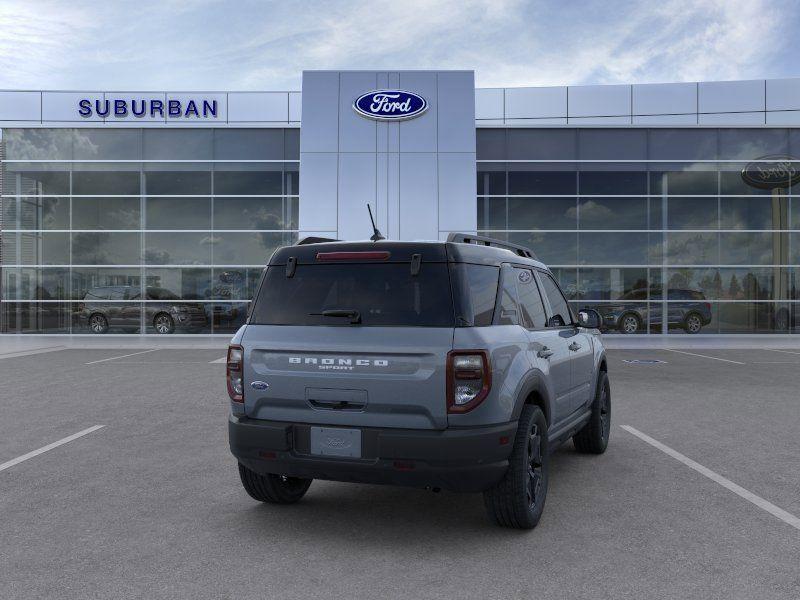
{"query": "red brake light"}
pixel 370 255
pixel 469 379
pixel 234 373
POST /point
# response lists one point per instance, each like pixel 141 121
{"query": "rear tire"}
pixel 98 323
pixel 163 323
pixel 593 438
pixel 693 323
pixel 629 323
pixel 274 489
pixel 518 500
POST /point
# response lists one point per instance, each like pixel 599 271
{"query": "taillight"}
pixel 469 378
pixel 233 373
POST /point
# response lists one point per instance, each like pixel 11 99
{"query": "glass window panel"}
pixel 116 183
pixel 491 144
pixel 46 248
pixel 107 144
pixel 531 182
pixel 106 213
pixel 226 317
pixel 234 283
pixel 35 317
pixel 752 143
pixel 177 213
pixel 613 248
pixel 248 248
pixel 612 144
pixel 106 248
pixel 754 213
pixel 655 214
pixel 291 144
pixel 684 183
pixel 491 182
pixel 749 317
pixel 178 183
pixel 612 284
pixel 707 282
pixel 118 317
pixel 612 213
pixel 692 248
pixel 749 248
pixel 754 284
pixel 610 183
pixel 249 182
pixel 682 144
pixel 291 180
pixel 38 144
pixel 21 283
pixel 35 182
pixel 559 309
pixel 542 213
pixel 179 248
pixel 530 299
pixel 105 283
pixel 692 213
pixel 248 144
pixel 251 213
pixel 8 213
pixel 541 144
pixel 186 284
pixel 551 248
pixel 509 310
pixel 41 213
pixel 492 213
pixel 731 182
pixel 178 144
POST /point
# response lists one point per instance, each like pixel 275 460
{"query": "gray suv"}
pixel 451 365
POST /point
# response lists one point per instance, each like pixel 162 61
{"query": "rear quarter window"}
pixel 475 293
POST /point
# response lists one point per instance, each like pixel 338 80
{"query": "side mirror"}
pixel 589 318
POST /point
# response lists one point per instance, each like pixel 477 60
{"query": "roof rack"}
pixel 314 240
pixel 479 240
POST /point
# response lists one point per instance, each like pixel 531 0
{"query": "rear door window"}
pixel 561 315
pixel 530 300
pixel 384 295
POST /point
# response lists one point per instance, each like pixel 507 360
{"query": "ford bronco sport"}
pixel 453 365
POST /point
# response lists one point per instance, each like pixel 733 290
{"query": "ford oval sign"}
pixel 390 105
pixel 770 172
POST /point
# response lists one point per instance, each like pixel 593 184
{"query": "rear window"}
pixel 385 295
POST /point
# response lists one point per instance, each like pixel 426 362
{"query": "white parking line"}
pixel 94 362
pixel 222 360
pixel 784 351
pixel 43 449
pixel 775 511
pixel 736 362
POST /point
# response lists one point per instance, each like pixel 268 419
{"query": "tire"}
pixel 517 501
pixel 629 323
pixel 593 438
pixel 274 489
pixel 163 323
pixel 693 323
pixel 98 323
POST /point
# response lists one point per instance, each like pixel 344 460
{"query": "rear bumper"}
pixel 464 460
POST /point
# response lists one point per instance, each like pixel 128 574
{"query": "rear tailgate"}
pixel 363 376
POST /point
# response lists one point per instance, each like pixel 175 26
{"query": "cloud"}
pixel 206 44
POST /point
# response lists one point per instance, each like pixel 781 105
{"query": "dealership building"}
pixel 652 203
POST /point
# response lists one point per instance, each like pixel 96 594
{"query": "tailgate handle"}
pixel 336 399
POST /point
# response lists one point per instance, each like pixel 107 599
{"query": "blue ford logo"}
pixel 259 385
pixel 390 105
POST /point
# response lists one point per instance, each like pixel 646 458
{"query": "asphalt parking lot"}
pixel 150 505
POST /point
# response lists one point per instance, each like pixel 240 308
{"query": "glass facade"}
pixel 141 230
pixel 654 228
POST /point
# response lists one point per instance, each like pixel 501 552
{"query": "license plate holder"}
pixel 336 441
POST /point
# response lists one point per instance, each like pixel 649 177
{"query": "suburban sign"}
pixel 770 172
pixel 149 107
pixel 390 105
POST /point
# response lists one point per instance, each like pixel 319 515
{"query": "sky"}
pixel 208 45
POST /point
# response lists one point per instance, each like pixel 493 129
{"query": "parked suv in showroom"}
pixel 105 307
pixel 691 314
pixel 455 365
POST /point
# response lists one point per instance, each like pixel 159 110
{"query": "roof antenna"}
pixel 377 234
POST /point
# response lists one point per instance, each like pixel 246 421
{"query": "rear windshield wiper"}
pixel 353 315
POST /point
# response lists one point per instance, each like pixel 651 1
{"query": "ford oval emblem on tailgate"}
pixel 259 385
